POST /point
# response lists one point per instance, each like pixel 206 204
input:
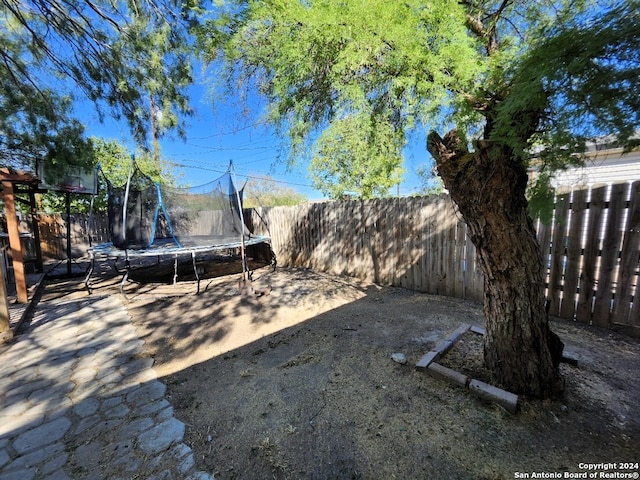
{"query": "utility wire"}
pixel 248 177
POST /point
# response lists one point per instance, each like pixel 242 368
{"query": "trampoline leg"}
pixel 195 271
pixel 115 266
pixel 88 277
pixel 175 270
pixel 124 280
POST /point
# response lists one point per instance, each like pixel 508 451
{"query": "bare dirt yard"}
pixel 299 383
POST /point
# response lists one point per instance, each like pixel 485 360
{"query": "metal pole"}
pixel 245 268
pixel 126 199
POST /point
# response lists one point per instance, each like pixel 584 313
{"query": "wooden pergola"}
pixel 17 182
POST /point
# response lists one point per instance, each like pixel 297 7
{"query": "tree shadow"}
pixel 323 399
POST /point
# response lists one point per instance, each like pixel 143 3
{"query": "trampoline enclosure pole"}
pixel 126 199
pixel 245 273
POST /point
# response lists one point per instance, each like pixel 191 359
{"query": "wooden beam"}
pixel 14 243
pixel 9 175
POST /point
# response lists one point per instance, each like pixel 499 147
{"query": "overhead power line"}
pixel 247 176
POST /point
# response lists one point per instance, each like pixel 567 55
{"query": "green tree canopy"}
pixel 345 79
pixel 131 58
pixel 509 82
pixel 327 67
pixel 37 126
pixel 113 161
pixel 357 155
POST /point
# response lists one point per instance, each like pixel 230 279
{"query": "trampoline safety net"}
pixel 144 214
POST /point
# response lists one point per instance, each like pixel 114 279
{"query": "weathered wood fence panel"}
pixel 623 313
pixel 591 250
pixel 53 235
pixel 418 243
pixel 594 256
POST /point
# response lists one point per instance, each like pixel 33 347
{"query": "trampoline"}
pixel 148 219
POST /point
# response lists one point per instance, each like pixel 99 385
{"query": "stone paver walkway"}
pixel 78 400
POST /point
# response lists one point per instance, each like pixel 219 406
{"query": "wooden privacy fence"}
pixel 417 242
pixel 591 249
pixel 53 234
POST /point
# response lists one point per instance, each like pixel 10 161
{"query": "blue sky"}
pixel 216 137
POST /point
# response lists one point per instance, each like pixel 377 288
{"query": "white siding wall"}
pixel 609 166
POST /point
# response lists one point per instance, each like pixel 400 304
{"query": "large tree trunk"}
pixel 488 186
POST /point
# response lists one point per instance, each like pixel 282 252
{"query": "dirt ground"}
pixel 299 383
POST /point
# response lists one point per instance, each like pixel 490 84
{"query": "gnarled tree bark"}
pixel 488 185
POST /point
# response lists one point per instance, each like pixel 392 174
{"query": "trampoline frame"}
pixel 107 251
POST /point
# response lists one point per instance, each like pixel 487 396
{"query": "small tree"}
pixel 264 191
pixel 430 183
pixel 357 154
pixel 509 80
